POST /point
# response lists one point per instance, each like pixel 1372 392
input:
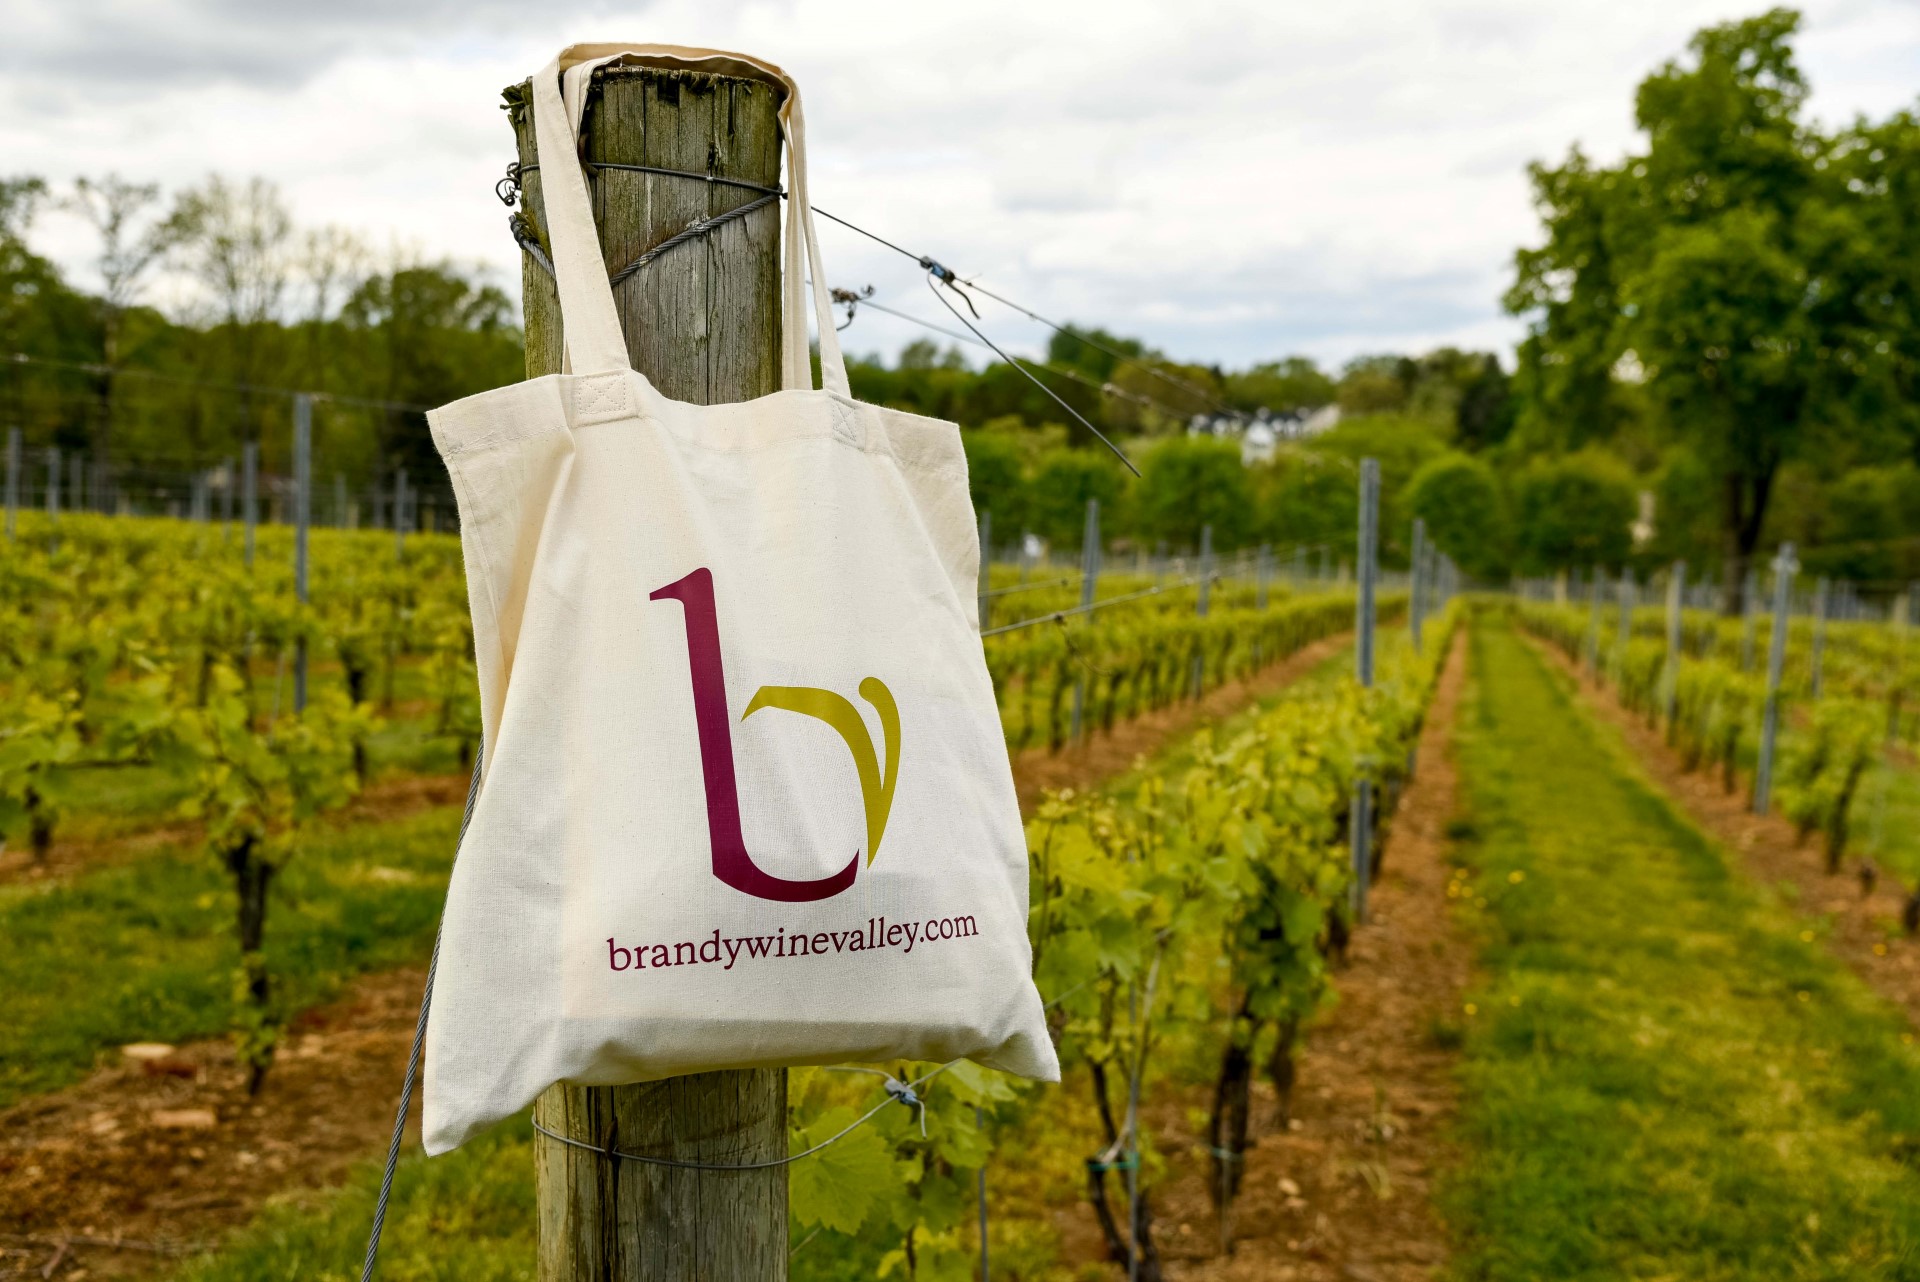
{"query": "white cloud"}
pixel 1231 181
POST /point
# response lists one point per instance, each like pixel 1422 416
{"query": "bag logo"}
pixel 732 862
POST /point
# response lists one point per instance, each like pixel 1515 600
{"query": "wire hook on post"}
pixel 851 300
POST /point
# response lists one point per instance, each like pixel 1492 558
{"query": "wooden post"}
pixel 703 324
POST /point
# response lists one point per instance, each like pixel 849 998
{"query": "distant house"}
pixel 1261 433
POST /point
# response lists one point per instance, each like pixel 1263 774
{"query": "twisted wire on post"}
pixel 413 1056
pixel 897 1092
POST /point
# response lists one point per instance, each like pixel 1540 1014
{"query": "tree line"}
pixel 207 304
pixel 1722 347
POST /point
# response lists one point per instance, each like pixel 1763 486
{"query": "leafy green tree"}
pixel 1459 499
pixel 1304 498
pixel 1686 511
pixel 996 477
pixel 1863 517
pixel 1722 267
pixel 1573 513
pixel 1284 386
pixel 427 333
pixel 1377 384
pixel 1091 350
pixel 1485 413
pixel 1063 481
pixel 1189 482
pixel 1402 445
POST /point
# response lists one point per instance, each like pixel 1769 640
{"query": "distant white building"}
pixel 1261 433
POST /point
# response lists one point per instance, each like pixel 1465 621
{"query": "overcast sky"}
pixel 1232 182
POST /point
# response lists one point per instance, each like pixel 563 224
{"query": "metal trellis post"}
pixel 249 493
pixel 1089 577
pixel 1670 678
pixel 13 477
pixel 1783 568
pixel 1822 591
pixel 1360 818
pixel 1200 607
pixel 1416 595
pixel 302 515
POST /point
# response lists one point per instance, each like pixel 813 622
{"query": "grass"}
pixel 1664 1076
pixel 146 952
pixel 1886 818
pixel 470 1214
pixel 464 1217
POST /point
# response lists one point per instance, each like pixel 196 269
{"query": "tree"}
pixel 1723 266
pixel 996 478
pixel 333 262
pixel 1458 498
pixel 1189 482
pixel 1377 384
pixel 431 335
pixel 1063 481
pixel 1402 446
pixel 233 239
pixel 1305 499
pixel 1092 350
pixel 1485 413
pixel 1573 513
pixel 1284 386
pixel 131 243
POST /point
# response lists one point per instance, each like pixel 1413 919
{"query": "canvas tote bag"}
pixel 745 799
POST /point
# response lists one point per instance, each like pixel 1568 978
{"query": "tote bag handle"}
pixel 589 319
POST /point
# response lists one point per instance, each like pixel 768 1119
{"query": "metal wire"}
pixel 413 1056
pixel 1061 616
pixel 897 1092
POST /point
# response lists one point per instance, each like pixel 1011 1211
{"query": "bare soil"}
pixel 1863 929
pixel 149 1158
pixel 1344 1192
pixel 1105 754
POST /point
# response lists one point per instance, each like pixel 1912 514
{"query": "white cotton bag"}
pixel 745 799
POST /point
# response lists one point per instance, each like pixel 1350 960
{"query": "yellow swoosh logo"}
pixel 876 783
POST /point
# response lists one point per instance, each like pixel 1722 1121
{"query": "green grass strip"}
pixel 1664 1077
pixel 464 1217
pixel 145 951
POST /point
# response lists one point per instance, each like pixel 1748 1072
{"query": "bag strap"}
pixel 576 65
pixel 590 324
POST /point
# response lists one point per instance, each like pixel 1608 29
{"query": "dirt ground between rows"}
pixel 167 1153
pixel 1862 929
pixel 1344 1193
pixel 171 1153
